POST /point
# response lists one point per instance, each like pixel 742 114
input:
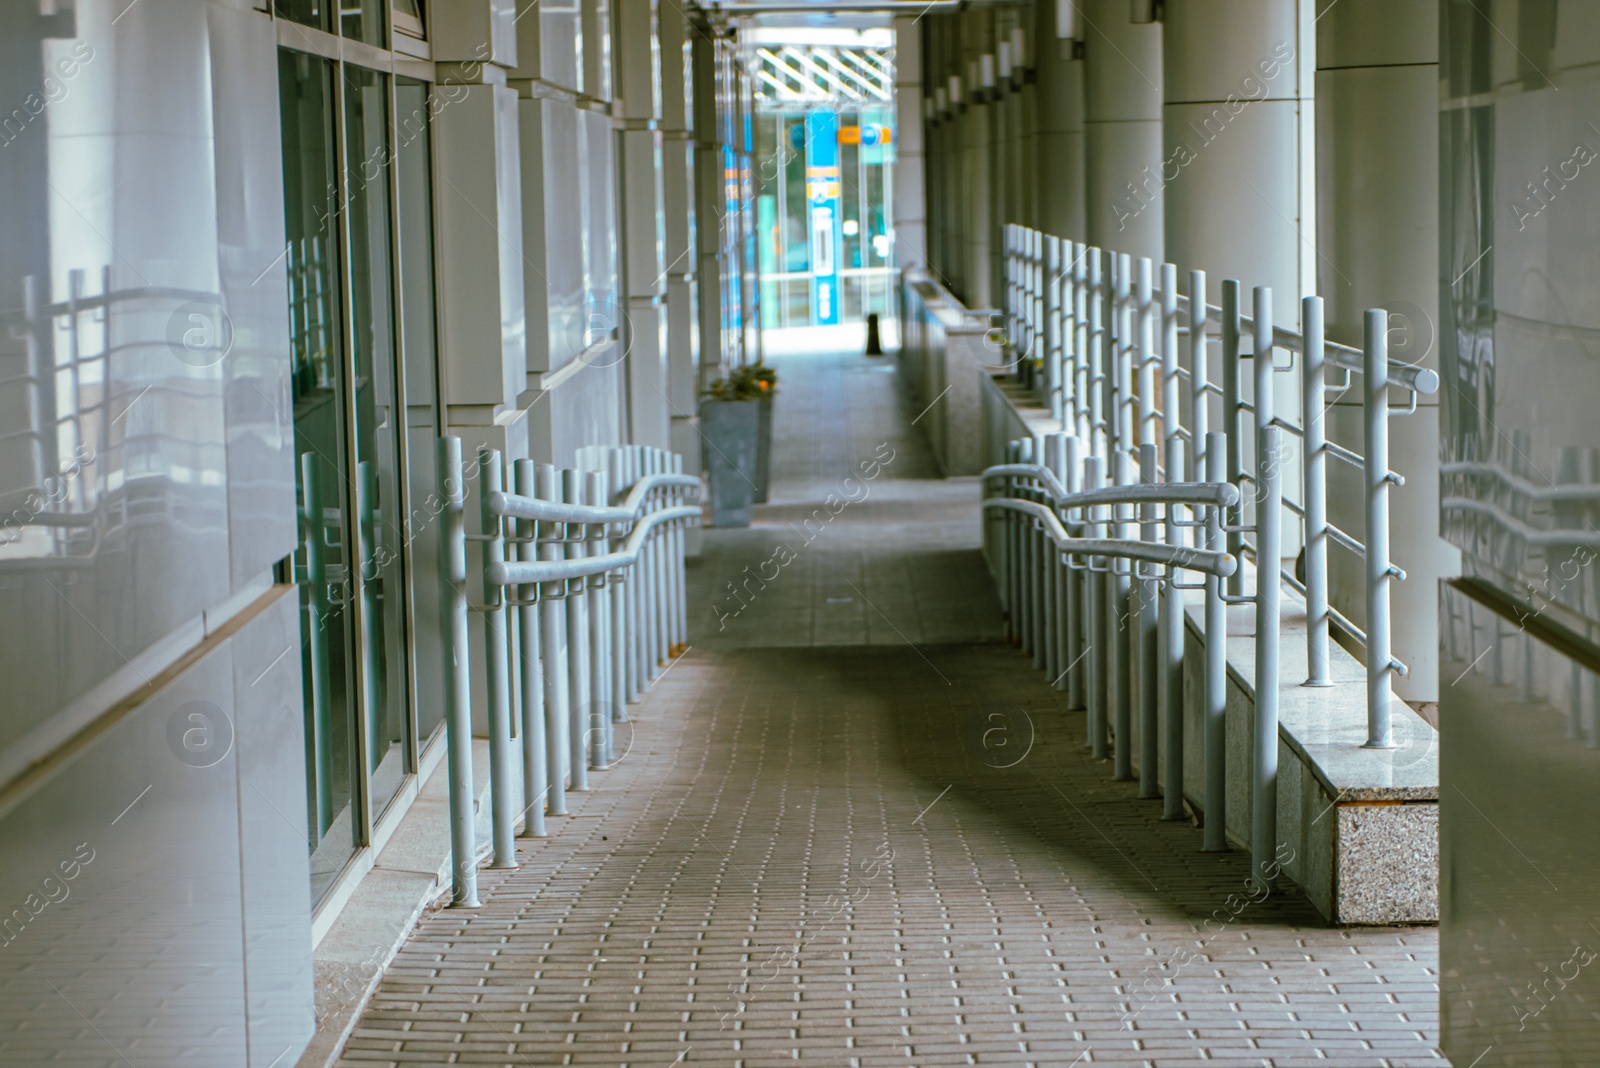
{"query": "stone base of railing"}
pixel 1360 826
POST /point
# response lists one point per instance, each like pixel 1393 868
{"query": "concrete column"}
pixel 978 126
pixel 910 210
pixel 1059 160
pixel 1121 129
pixel 710 194
pixel 644 323
pixel 573 390
pixel 1377 188
pixel 678 252
pixel 1235 166
pixel 482 354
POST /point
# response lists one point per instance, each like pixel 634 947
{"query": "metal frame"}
pixel 597 582
pixel 1109 341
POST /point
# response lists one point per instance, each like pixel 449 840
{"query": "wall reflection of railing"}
pixel 1545 535
pixel 69 456
pixel 311 321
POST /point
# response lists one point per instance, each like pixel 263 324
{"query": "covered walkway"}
pixel 852 827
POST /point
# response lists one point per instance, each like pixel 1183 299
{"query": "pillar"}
pixel 1377 143
pixel 910 211
pixel 1234 167
pixel 643 231
pixel 1122 74
pixel 678 252
pixel 1059 159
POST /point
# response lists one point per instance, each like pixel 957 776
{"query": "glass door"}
pixel 350 565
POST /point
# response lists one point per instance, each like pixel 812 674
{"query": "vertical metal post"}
pixel 1230 423
pixel 1149 726
pixel 1027 591
pixel 1126 413
pixel 1052 330
pixel 1094 357
pixel 1144 369
pixel 496 668
pixel 1039 571
pixel 1171 416
pixel 1081 347
pixel 1199 374
pixel 1215 706
pixel 553 647
pixel 578 652
pixel 458 678
pixel 1269 537
pixel 680 575
pixel 535 775
pixel 1171 642
pixel 1052 573
pixel 618 583
pixel 658 585
pixel 1121 585
pixel 1076 644
pixel 638 676
pixel 598 718
pixel 1314 459
pixel 1008 550
pixel 1097 584
pixel 1380 661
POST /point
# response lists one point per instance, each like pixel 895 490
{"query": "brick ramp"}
pixel 723 897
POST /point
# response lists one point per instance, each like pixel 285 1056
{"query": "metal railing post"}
pixel 1051 573
pixel 1052 330
pixel 620 582
pixel 535 774
pixel 1143 370
pixel 553 647
pixel 1171 414
pixel 598 715
pixel 1125 411
pixel 1380 661
pixel 1024 564
pixel 496 669
pixel 1097 586
pixel 1268 525
pixel 1076 642
pixel 1095 357
pixel 1149 727
pixel 1230 423
pixel 680 574
pixel 1171 642
pixel 578 653
pixel 1122 644
pixel 1039 567
pixel 1080 347
pixel 458 678
pixel 1199 374
pixel 1214 719
pixel 1314 459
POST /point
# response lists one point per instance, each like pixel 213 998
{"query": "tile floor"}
pixel 853 828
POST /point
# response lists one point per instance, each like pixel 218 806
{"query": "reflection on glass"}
pixel 378 501
pixel 363 20
pixel 316 13
pixel 321 561
pixel 421 530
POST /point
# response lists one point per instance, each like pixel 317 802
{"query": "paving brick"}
pixel 695 907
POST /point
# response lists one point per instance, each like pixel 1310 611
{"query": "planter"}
pixel 764 450
pixel 731 430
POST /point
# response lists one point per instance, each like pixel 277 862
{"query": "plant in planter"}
pixel 761 381
pixel 730 420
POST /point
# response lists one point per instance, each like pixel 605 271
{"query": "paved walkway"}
pixel 851 828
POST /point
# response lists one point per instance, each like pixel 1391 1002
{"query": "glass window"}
pixel 375 429
pixel 413 152
pixel 311 210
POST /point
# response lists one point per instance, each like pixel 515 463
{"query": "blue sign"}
pixel 822 210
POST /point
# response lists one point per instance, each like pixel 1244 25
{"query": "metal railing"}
pixel 584 586
pixel 1122 361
